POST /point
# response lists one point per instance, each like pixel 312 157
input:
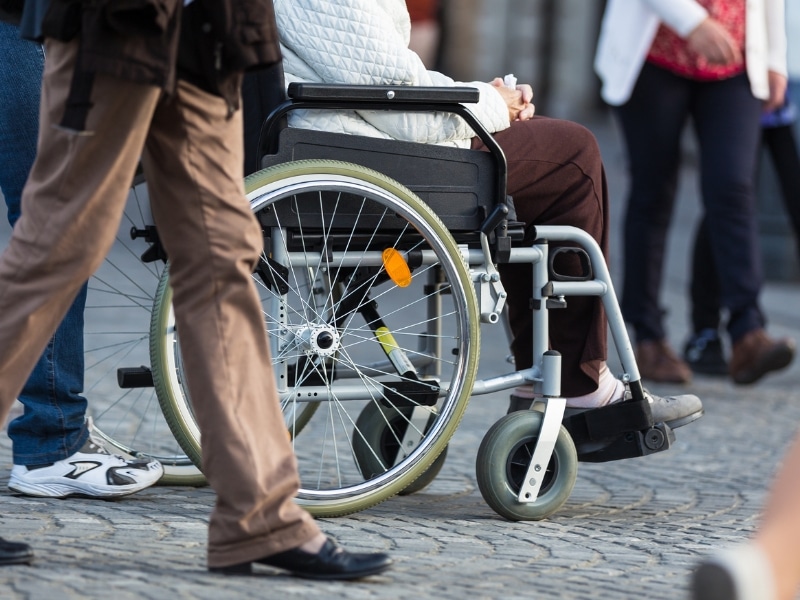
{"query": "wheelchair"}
pixel 378 271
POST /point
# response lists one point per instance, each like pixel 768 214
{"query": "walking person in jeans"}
pixel 720 63
pixel 124 81
pixel 52 435
pixel 52 438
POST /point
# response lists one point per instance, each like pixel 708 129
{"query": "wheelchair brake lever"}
pixel 492 295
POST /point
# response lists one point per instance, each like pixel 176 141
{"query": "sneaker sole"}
pixel 61 490
pixel 676 423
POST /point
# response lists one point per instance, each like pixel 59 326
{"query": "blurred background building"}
pixel 548 43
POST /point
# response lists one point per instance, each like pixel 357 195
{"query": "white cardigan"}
pixel 366 42
pixel 629 27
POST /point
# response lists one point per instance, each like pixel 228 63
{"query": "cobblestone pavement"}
pixel 630 529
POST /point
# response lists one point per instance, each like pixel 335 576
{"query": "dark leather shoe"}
pixel 15 553
pixel 658 362
pixel 331 562
pixel 756 354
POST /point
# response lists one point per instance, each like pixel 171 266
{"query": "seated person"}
pixel 555 172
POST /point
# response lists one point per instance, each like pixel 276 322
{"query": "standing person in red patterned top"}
pixel 720 64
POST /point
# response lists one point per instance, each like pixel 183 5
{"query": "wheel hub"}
pixel 319 340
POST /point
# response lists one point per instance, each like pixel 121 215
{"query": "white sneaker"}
pixel 92 471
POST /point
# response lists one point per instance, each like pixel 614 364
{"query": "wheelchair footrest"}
pixel 617 431
pixel 629 445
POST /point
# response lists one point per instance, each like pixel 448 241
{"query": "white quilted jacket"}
pixel 366 42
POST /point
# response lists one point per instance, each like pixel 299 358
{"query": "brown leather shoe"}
pixel 657 362
pixel 756 354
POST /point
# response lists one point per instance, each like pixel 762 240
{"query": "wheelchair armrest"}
pixel 383 93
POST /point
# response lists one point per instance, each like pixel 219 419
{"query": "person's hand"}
pixel 713 42
pixel 518 100
pixel 777 91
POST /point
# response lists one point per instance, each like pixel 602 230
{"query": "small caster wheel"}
pixel 376 442
pixel 503 459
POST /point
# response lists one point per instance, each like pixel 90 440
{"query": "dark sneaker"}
pixel 15 553
pixel 739 573
pixel 703 353
pixel 92 471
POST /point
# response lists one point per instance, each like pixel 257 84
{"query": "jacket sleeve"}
pixel 363 42
pixel 682 16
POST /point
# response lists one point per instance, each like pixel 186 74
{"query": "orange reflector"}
pixel 396 267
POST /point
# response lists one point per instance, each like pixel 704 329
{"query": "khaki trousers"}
pixel 192 154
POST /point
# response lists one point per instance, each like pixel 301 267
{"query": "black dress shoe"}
pixel 331 562
pixel 15 553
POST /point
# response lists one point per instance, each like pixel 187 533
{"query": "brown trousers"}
pixel 556 177
pixel 72 205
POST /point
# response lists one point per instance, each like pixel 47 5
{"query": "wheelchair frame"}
pixel 474 208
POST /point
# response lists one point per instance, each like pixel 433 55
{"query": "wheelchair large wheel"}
pixel 367 302
pixel 117 375
pixel 503 459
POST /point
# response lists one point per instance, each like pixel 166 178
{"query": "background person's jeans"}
pixel 53 424
pixel 726 119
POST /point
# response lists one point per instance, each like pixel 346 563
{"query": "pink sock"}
pixel 609 389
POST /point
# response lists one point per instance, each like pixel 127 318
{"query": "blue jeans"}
pixel 52 426
pixel 726 118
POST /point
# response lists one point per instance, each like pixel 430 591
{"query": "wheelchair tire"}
pixel 503 459
pixel 327 225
